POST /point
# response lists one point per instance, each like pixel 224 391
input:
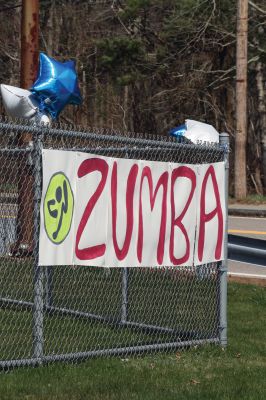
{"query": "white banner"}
pixel 113 212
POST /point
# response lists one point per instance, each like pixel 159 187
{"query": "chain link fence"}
pixel 72 313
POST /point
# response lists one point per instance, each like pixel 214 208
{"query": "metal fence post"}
pixel 124 286
pixel 48 286
pixel 124 295
pixel 38 300
pixel 224 142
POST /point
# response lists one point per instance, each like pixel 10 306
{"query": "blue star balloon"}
pixel 56 85
pixel 178 131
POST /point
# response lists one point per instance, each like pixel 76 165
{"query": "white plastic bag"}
pixel 200 132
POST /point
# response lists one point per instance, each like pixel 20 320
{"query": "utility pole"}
pixel 29 42
pixel 29 68
pixel 241 100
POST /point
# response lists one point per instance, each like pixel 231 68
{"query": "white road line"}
pixel 236 217
pixel 246 275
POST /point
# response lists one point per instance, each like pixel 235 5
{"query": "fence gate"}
pixel 71 313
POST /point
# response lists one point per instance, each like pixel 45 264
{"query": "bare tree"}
pixel 241 100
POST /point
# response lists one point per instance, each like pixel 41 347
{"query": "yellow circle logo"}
pixel 58 208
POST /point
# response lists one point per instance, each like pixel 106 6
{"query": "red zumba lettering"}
pixel 131 182
pixel 188 173
pixel 204 218
pixel 162 181
pixel 86 167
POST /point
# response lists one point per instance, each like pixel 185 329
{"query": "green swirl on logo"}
pixel 58 208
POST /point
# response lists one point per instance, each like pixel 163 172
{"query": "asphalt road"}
pixel 249 227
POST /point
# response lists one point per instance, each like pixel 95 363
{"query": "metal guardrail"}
pixel 247 250
pixel 247 212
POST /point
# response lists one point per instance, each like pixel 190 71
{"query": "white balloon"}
pixel 19 103
pixel 200 132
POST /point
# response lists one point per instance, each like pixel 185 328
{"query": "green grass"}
pixel 250 199
pixel 178 300
pixel 237 372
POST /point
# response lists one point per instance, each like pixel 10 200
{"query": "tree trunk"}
pixel 241 100
pixel 262 115
pixel 125 109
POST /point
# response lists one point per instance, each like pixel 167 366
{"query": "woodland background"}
pixel 147 65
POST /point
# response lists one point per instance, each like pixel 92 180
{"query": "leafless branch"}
pixel 9 55
pixel 257 7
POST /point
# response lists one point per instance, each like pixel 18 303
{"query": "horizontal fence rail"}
pixel 247 250
pixel 71 313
